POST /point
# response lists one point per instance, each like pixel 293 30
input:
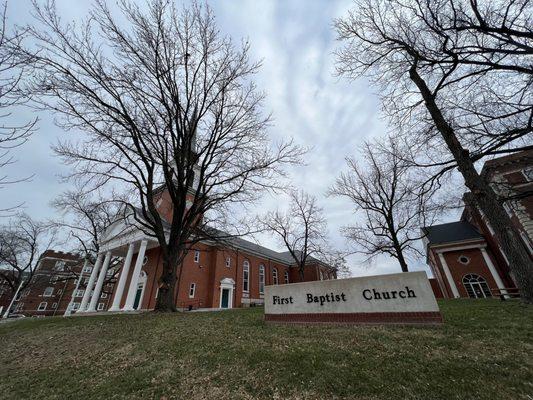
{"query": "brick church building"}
pixel 464 256
pixel 214 274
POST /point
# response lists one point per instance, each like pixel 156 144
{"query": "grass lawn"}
pixel 484 351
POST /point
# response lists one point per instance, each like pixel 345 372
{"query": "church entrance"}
pixel 226 293
pixel 225 298
pixel 140 291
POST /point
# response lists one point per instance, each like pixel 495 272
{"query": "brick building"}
pixel 213 275
pixel 54 285
pixel 465 256
pixel 6 295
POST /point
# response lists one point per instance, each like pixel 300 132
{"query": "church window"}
pixel 476 286
pixel 464 260
pixel 261 278
pixel 246 276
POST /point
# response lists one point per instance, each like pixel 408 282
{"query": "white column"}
pixel 68 311
pixel 122 281
pixel 134 282
pixel 13 300
pixel 100 283
pixel 493 271
pixel 92 278
pixel 449 278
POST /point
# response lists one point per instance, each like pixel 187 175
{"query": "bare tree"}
pixel 85 216
pixel 12 68
pixel 385 193
pixel 302 229
pixel 337 259
pixel 22 241
pixel 167 104
pixel 454 75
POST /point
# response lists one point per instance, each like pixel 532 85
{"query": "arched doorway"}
pixel 140 291
pixel 476 286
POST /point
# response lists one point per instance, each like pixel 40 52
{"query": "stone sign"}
pixel 405 298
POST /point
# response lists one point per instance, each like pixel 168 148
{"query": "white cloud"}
pixel 295 40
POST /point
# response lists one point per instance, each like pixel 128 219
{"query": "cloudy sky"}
pixel 295 41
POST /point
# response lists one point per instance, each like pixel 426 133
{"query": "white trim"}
pixel 39 306
pixel 122 280
pixel 99 284
pixel 492 269
pixel 192 288
pixel 90 284
pixel 142 281
pixel 275 276
pixel 229 284
pixel 71 303
pixel 466 247
pixel 50 294
pixel 196 256
pixel 464 262
pixel 134 283
pixel 525 239
pixel 449 278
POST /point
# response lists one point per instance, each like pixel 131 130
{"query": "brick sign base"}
pixel 431 318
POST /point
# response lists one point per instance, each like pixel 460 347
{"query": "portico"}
pixel 125 242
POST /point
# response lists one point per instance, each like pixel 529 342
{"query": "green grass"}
pixel 483 351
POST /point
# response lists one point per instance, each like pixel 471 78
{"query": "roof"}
pixel 220 236
pixel 451 232
pixel 248 246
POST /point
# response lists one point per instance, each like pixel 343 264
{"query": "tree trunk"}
pixel 401 260
pixel 167 286
pixel 520 262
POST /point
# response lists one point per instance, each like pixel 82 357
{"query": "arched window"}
pixel 275 276
pixel 286 276
pixel 261 278
pixel 245 276
pixel 476 286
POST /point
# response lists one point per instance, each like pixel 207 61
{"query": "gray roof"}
pixel 235 241
pixel 252 247
pixel 451 232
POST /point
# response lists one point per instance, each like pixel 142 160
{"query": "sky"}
pixel 295 41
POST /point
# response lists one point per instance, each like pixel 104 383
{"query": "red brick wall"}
pixel 208 273
pixel 436 288
pixel 458 270
pixel 63 284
